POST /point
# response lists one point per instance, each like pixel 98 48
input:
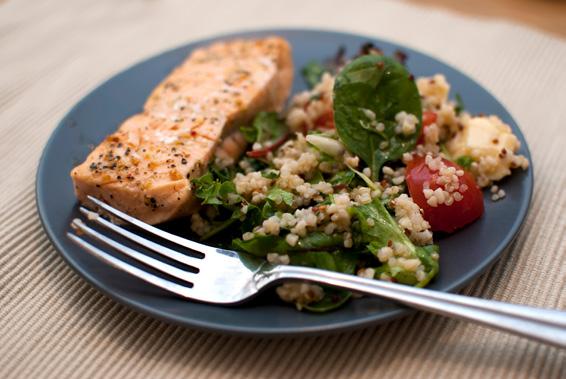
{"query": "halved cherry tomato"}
pixel 444 218
pixel 429 118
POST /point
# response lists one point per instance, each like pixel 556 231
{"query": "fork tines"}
pixel 186 276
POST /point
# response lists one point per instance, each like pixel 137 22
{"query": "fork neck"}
pixel 279 273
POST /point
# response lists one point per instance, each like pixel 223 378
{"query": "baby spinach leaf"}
pixel 318 241
pixel 339 261
pixel 424 253
pixel 262 245
pixel 384 231
pixel 377 86
pixel 318 259
pixel 408 277
pixel 383 227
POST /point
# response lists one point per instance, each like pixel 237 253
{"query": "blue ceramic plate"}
pixel 464 255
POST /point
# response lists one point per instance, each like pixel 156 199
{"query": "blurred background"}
pixel 546 15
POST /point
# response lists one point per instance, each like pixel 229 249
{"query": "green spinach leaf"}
pixel 262 245
pixel 369 91
pixel 339 261
pixel 384 231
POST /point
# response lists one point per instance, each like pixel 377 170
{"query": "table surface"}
pixel 546 15
pixel 54 325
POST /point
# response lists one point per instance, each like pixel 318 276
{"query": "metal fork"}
pixel 222 276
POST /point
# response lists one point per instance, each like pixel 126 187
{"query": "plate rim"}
pixel 368 320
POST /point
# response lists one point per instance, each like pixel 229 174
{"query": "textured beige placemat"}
pixel 54 325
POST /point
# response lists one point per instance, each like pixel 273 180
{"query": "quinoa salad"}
pixel 356 176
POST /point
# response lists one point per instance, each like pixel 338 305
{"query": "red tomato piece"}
pixel 325 121
pixel 429 118
pixel 444 218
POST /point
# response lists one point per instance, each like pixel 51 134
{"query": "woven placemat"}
pixel 54 325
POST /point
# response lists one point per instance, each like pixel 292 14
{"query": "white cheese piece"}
pixel 491 144
pixel 482 137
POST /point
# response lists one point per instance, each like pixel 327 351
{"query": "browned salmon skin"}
pixel 145 167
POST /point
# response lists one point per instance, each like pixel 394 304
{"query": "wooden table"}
pixel 546 15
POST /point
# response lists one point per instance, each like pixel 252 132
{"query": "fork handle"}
pixel 545 325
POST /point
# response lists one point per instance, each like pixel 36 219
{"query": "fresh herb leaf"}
pixel 266 127
pixel 255 164
pixel 267 211
pixel 270 174
pixel 280 196
pixel 380 86
pixel 213 191
pixel 343 177
pixel 208 189
pixel 459 108
pixel 465 161
pixel 316 177
pixel 249 133
pixel 252 218
pixel 312 73
pixel 222 174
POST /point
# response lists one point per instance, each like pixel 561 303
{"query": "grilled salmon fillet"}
pixel 145 168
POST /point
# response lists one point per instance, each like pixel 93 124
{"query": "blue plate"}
pixel 464 255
